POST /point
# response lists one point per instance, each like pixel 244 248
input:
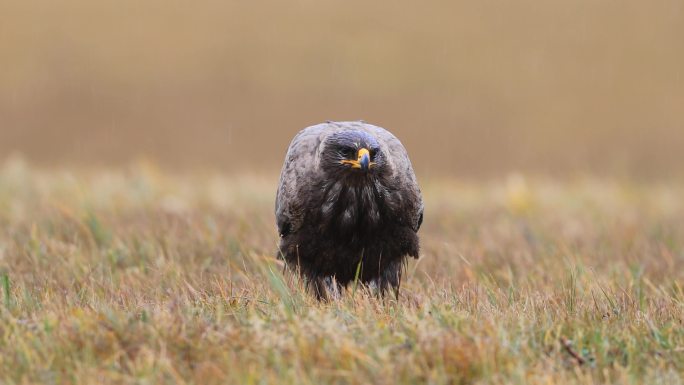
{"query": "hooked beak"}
pixel 362 161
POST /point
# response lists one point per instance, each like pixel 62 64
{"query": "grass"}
pixel 140 276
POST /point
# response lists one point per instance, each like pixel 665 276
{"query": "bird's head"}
pixel 352 151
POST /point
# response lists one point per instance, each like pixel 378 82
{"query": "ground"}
pixel 143 276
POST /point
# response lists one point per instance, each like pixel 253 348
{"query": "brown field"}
pixel 139 148
pixel 140 276
pixel 472 88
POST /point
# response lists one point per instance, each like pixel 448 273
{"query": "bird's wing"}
pixel 299 170
pixel 407 185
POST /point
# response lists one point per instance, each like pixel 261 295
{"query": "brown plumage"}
pixel 348 199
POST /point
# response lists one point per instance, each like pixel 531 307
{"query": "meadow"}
pixel 140 276
pixel 547 138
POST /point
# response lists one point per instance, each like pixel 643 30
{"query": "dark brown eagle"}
pixel 348 205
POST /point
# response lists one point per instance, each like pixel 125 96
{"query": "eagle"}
pixel 348 208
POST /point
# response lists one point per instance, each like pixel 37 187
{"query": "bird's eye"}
pixel 347 152
pixel 373 152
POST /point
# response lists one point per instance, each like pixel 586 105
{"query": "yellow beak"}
pixel 362 160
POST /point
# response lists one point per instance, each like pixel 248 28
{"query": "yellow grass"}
pixel 142 276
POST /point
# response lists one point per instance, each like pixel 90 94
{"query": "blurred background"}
pixel 472 88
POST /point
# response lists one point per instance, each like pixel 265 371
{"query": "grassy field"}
pixel 142 276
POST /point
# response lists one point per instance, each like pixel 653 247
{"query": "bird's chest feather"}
pixel 351 212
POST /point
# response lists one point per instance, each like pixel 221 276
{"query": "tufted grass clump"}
pixel 141 276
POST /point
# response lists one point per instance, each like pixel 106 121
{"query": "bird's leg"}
pixel 318 286
pixel 390 278
pixel 333 288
